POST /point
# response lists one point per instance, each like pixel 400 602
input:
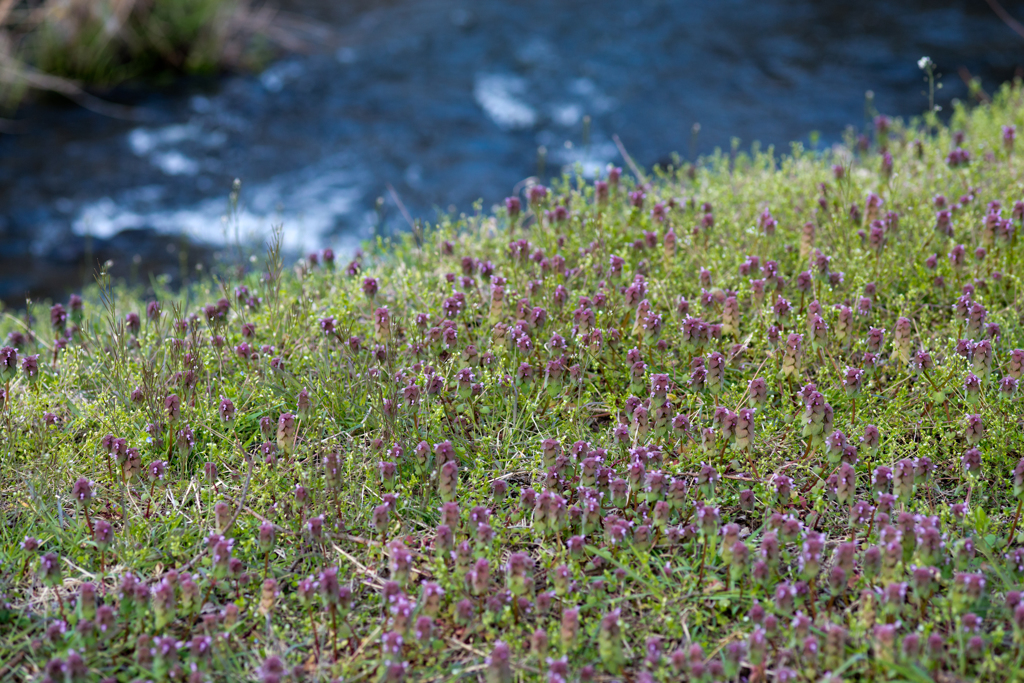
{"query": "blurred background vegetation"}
pixel 60 45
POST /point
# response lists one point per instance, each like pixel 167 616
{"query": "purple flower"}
pixel 50 569
pixel 226 409
pixel 172 408
pixel 971 461
pixel 498 664
pixel 132 323
pixel 8 363
pixel 157 470
pixel 370 288
pixel 82 491
pixel 30 366
pixel 513 206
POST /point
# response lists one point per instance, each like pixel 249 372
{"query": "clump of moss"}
pixel 752 419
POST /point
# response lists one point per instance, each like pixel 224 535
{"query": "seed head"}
pixel 286 430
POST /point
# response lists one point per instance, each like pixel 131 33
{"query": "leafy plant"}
pixel 753 419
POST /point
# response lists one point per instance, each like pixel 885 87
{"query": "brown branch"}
pixel 629 160
pixel 11 663
pixel 5 9
pixel 965 76
pixel 1017 27
pixel 14 71
pixel 401 206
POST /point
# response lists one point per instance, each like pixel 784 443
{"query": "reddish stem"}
pixel 316 639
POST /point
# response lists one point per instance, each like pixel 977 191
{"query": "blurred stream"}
pixel 449 100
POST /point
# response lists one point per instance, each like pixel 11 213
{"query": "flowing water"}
pixel 449 101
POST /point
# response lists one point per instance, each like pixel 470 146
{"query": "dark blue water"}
pixel 449 102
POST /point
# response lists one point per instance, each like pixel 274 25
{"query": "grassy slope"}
pixel 669 579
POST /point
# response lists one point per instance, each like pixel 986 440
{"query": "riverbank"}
pixel 756 418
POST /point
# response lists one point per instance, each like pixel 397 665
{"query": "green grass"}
pixel 623 456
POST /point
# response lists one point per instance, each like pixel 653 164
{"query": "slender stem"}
pixel 334 626
pixel 316 638
pixel 149 502
pixel 209 590
pixel 807 452
pixel 1016 517
pixel 703 555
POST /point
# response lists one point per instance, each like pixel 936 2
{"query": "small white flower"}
pixel 925 63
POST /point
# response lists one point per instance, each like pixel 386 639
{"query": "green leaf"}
pixel 981 521
pixel 911 673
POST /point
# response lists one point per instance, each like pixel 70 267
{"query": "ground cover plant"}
pixel 754 419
